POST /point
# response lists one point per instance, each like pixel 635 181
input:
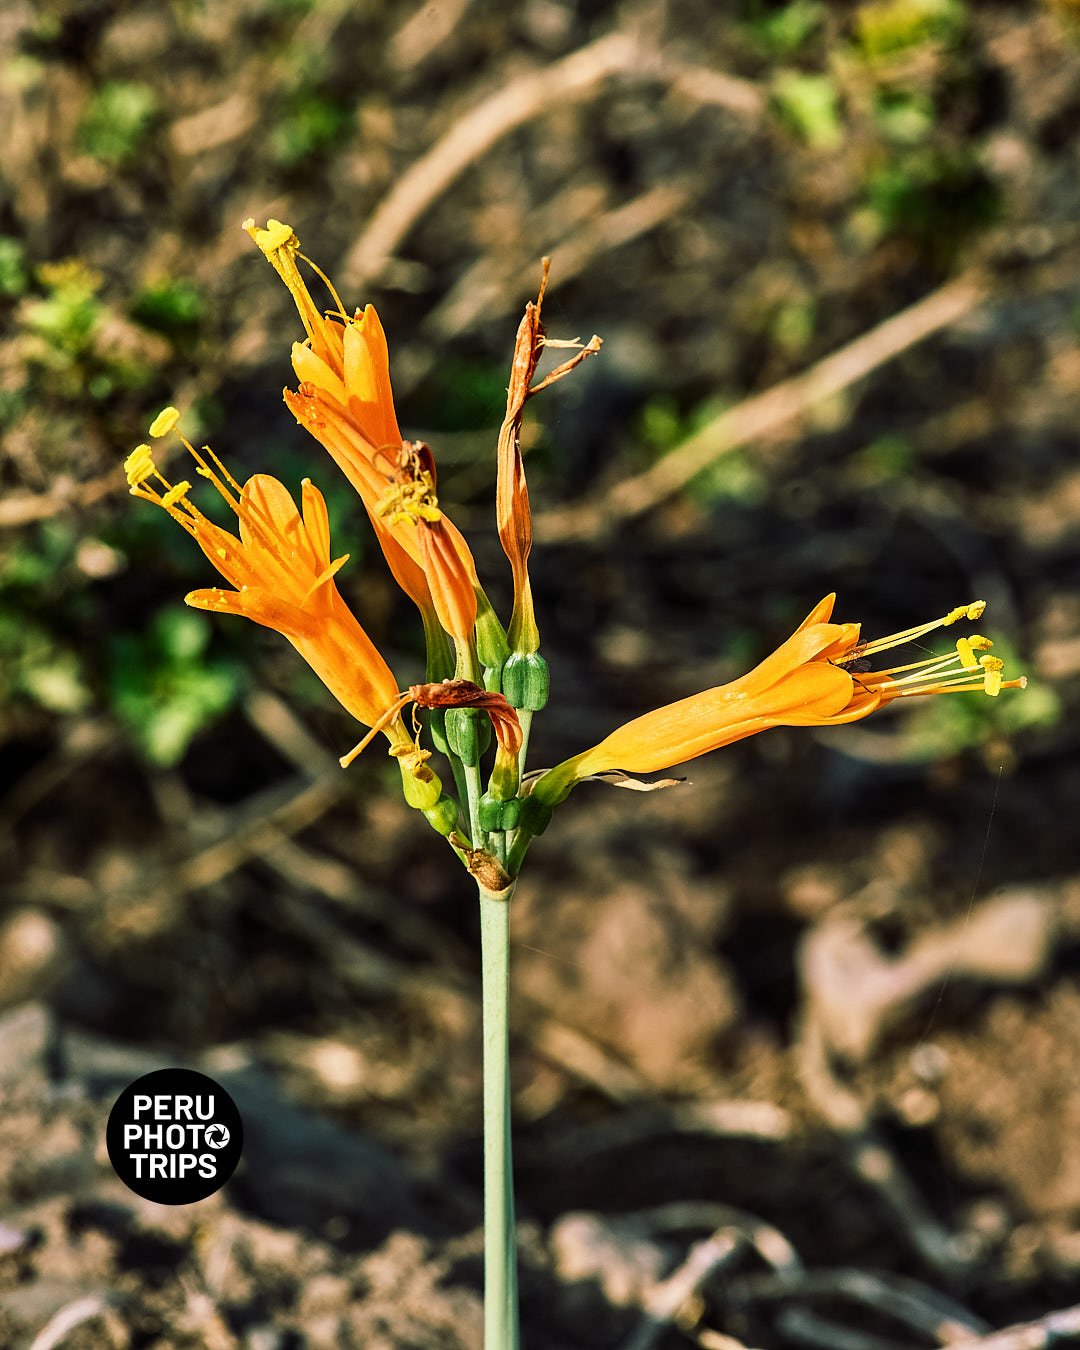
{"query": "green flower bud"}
pixel 526 680
pixel 491 645
pixel 443 816
pixel 499 815
pixel 421 785
pixel 535 815
pixel 463 735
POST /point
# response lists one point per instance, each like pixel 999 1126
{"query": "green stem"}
pixel 501 1331
pixel 525 717
pixel 459 778
pixel 473 791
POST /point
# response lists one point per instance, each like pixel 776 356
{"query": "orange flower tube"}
pixel 812 679
pixel 345 400
pixel 281 572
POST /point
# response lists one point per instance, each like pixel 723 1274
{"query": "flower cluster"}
pixel 481 678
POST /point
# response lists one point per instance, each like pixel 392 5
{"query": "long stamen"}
pixel 324 576
pixel 280 246
pixel 959 671
pixel 327 283
pixel 972 612
pixel 381 723
pixel 222 470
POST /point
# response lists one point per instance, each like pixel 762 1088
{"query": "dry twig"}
pixel 1053 1329
pixel 765 414
pixel 570 80
pixel 907 1301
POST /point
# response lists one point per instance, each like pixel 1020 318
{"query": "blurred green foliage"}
pixel 809 105
pixel 935 196
pixel 117 121
pixel 38 659
pixel 904 116
pixel 14 276
pixel 65 319
pixel 161 683
pixel 63 350
pixel 312 122
pixel 169 306
pixel 792 325
pixel 163 686
pixel 889 28
pixel 462 395
pixel 784 31
pixel 735 476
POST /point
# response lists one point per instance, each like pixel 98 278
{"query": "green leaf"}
pixel 117 121
pixel 809 105
pixel 783 31
pixel 891 27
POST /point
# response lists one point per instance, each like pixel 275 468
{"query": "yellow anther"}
pixel 966 655
pixel 414 500
pixel 139 465
pixel 174 494
pixel 992 683
pixel 972 611
pixel 992 663
pixel 276 235
pixel 978 643
pixel 164 422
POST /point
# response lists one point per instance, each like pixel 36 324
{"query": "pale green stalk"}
pixel 473 790
pixel 501 1331
pixel 525 717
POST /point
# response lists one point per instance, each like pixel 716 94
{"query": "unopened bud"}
pixel 421 785
pixel 491 645
pixel 499 815
pixel 443 816
pixel 463 735
pixel 535 815
pixel 526 681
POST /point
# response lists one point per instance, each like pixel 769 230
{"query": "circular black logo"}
pixel 174 1136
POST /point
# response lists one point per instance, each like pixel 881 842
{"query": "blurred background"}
pixel 822 999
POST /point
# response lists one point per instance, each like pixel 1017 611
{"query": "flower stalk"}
pixel 501 1322
pixel 483 683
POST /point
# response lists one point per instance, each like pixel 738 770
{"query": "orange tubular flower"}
pixel 346 401
pixel 512 511
pixel 281 571
pixel 813 679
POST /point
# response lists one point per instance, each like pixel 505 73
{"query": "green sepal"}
pixel 535 816
pixel 493 679
pixel 443 816
pixel 499 815
pixel 526 681
pixel 491 645
pixel 439 662
pixel 463 735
